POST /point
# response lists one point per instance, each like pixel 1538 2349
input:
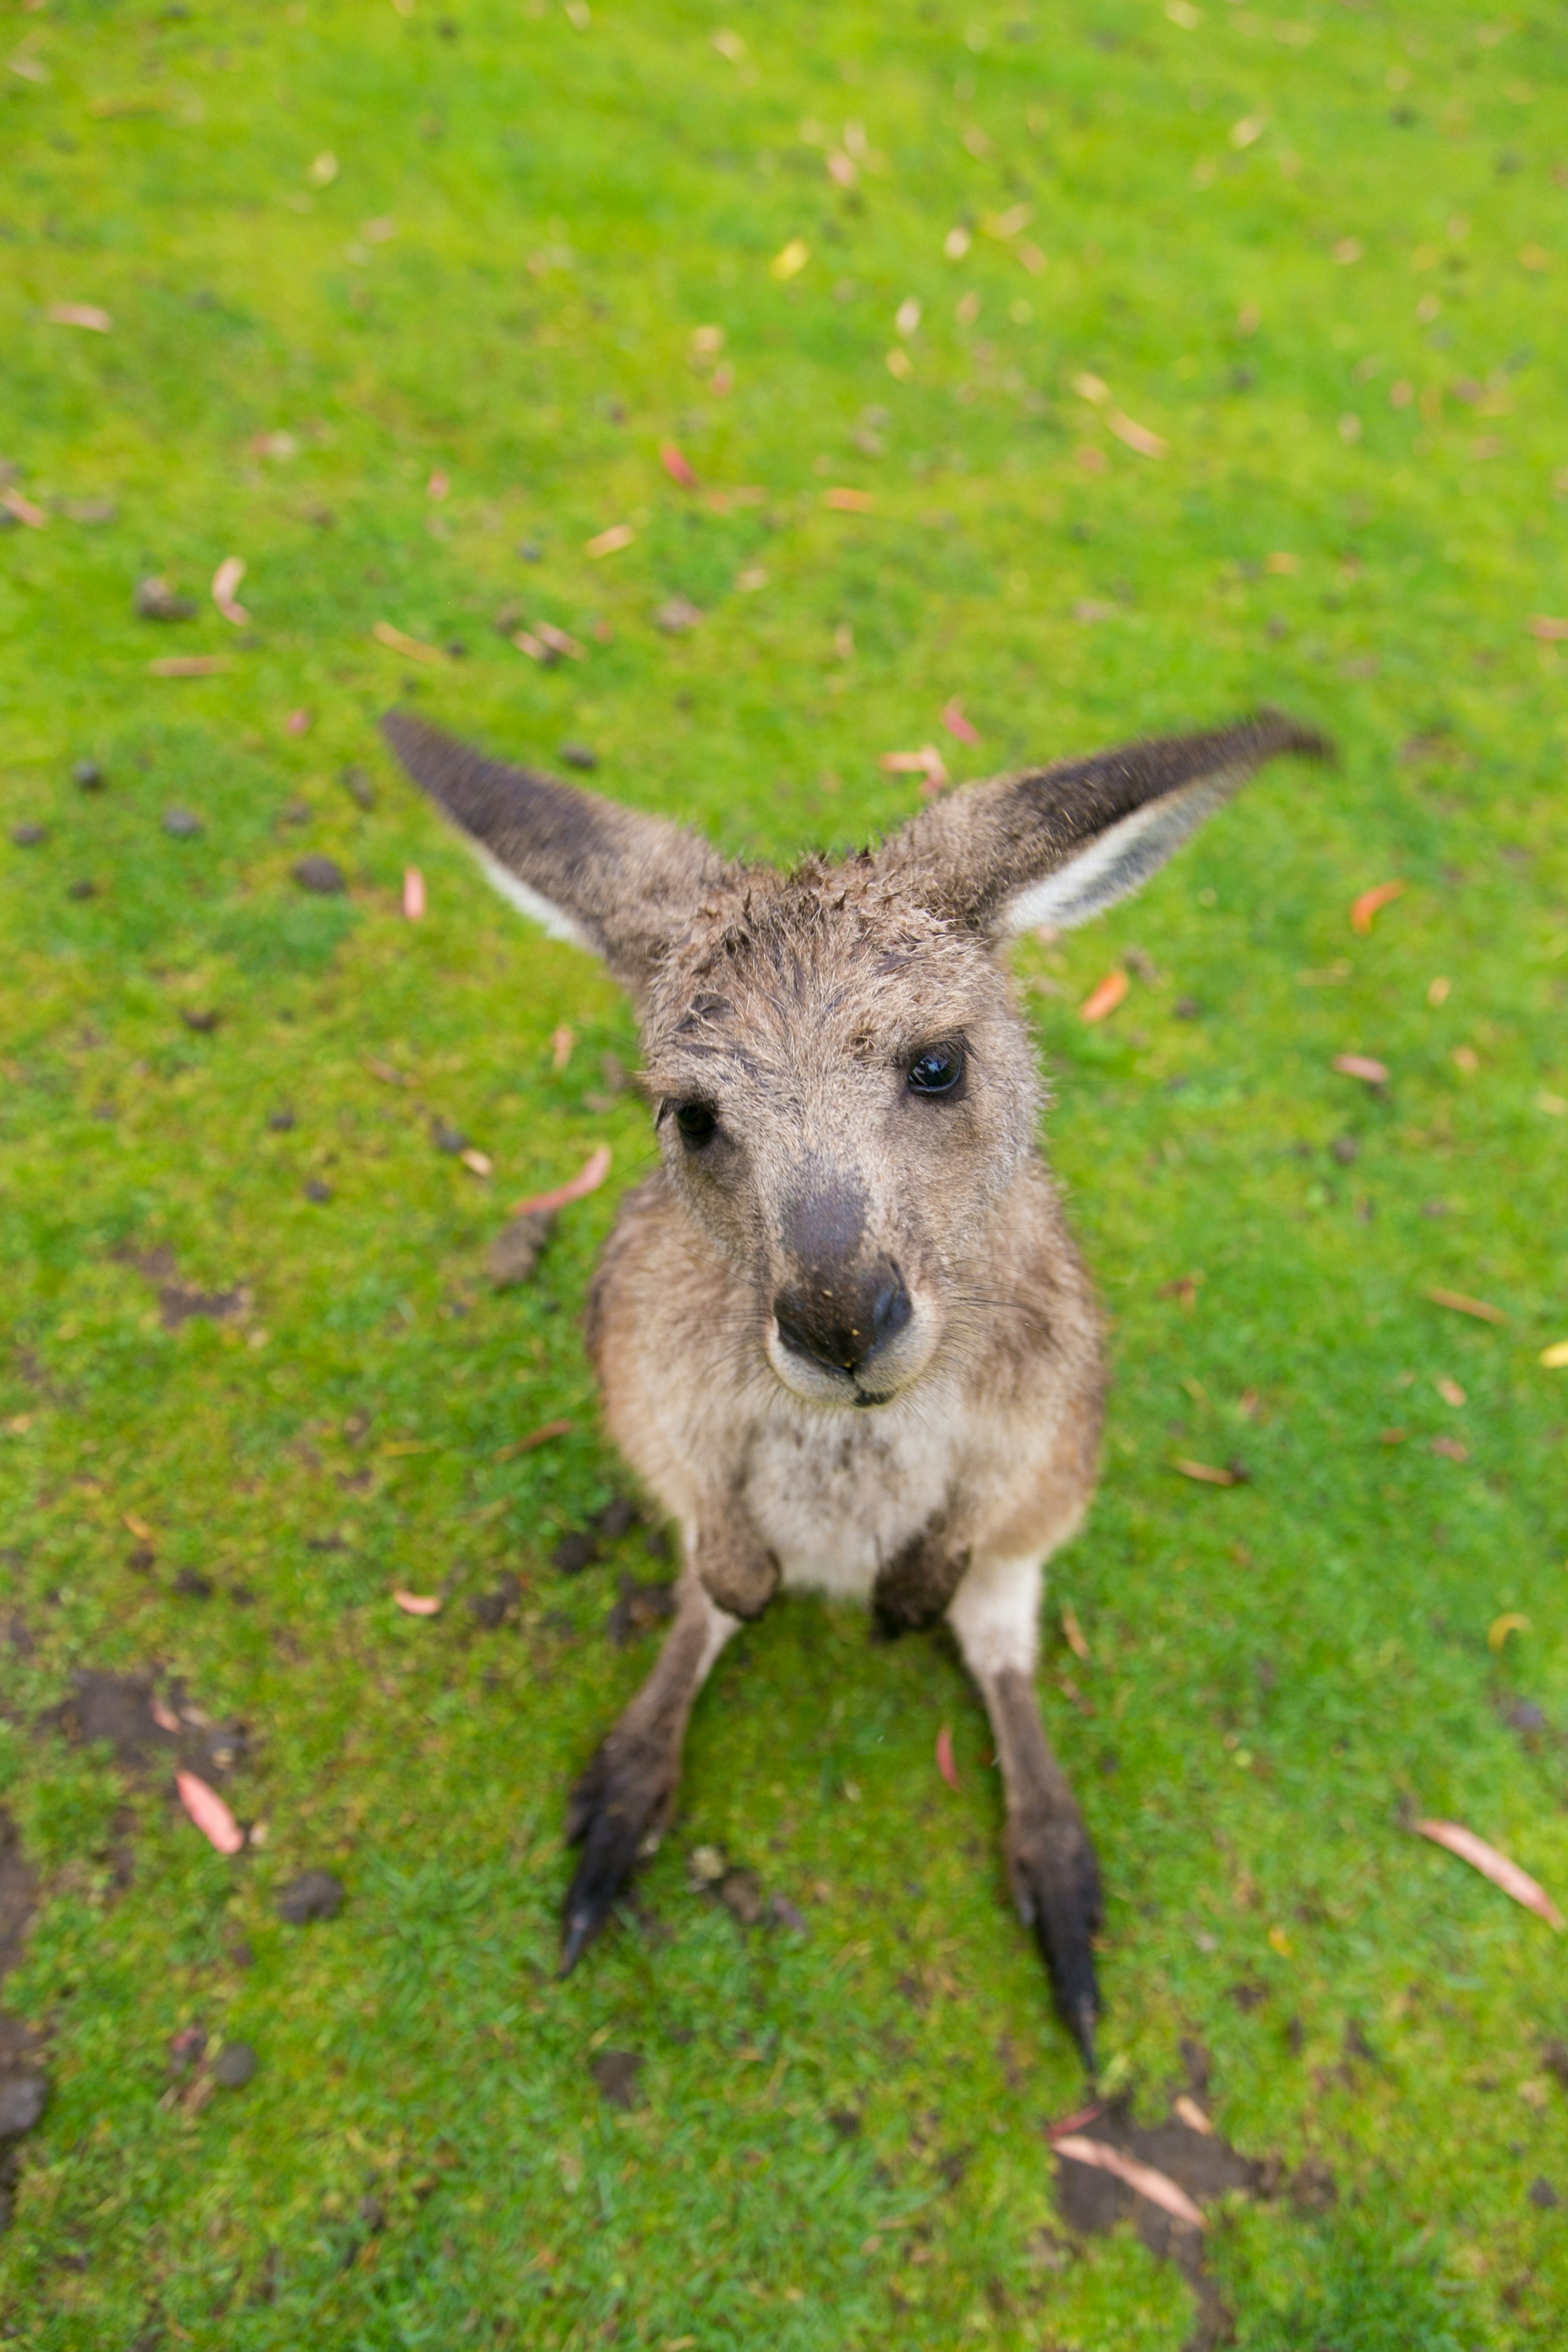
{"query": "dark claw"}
pixel 623 1797
pixel 1055 1881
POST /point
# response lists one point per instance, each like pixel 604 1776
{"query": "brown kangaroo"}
pixel 842 1332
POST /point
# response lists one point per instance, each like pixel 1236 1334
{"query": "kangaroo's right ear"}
pixel 1058 845
pixel 605 877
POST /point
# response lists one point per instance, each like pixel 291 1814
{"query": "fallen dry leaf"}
pixel 588 1179
pixel 1452 1449
pixel 1550 631
pixel 927 762
pixel 413 893
pixel 226 580
pixel 23 510
pixel 1449 1391
pixel 677 466
pixel 957 724
pixel 1185 1287
pixel 1073 1632
pixel 848 502
pixel 1555 1357
pixel 209 1812
pixel 418 1605
pixel 478 1163
pixel 80 314
pixel 1105 998
pixel 1363 1067
pixel 165 1717
pixel 609 542
pixel 547 644
pixel 1092 388
pixel 1155 2186
pixel 188 665
pixel 1498 1632
pixel 139 1527
pixel 561 1043
pixel 1464 1305
pixel 1205 1472
pixel 944 1763
pixel 1136 437
pixel 791 260
pixel 1366 906
pixel 1075 2121
pixel 1193 2115
pixel 1495 1867
pixel 400 642
pixel 540 1436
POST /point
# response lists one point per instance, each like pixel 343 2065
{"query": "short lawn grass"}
pixel 1178 359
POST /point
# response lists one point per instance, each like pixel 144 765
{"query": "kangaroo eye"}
pixel 936 1071
pixel 696 1121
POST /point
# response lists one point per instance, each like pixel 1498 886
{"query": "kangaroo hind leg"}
pixel 623 1799
pixel 1050 1861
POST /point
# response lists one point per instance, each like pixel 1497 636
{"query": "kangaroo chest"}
pixel 837 1498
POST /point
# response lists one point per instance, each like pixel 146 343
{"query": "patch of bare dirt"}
pixel 1200 2162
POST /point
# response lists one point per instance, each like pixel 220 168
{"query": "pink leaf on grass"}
pixel 1363 1067
pixel 80 314
pixel 1105 998
pixel 209 1812
pixel 1154 2186
pixel 588 1179
pixel 418 1605
pixel 23 510
pixel 677 466
pixel 225 580
pixel 413 894
pixel 1382 895
pixel 1495 1867
pixel 944 1763
pixel 958 723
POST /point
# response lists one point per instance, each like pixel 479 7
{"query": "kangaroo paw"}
pixel 1056 1883
pixel 616 1811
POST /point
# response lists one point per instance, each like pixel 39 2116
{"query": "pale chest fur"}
pixel 834 1497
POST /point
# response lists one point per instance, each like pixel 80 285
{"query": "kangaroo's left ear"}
pixel 1058 845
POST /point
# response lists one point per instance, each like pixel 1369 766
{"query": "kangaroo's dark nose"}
pixel 841 1324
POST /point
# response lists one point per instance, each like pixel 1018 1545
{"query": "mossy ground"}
pixel 1252 231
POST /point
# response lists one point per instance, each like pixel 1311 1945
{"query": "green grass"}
pixel 1283 1673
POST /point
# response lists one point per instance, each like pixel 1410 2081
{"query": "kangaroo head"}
pixel 844 1083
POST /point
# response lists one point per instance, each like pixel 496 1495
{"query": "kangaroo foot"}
pixel 617 1813
pixel 1056 1884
